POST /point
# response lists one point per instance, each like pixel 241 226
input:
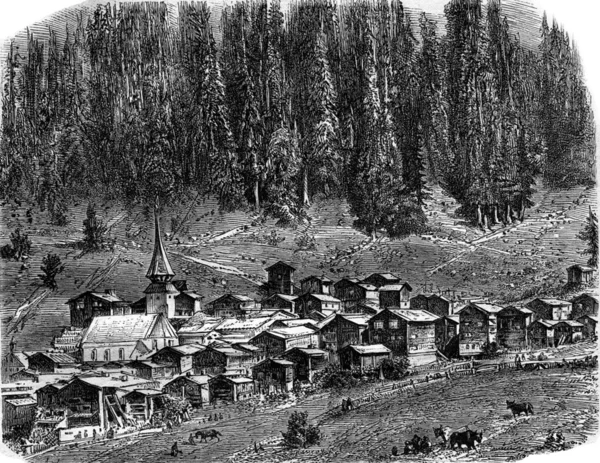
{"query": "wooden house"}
pixel 247 327
pixel 275 342
pixel 324 303
pixel 273 375
pixel 433 303
pixel 13 362
pixel 364 358
pixel 307 361
pixel 275 314
pixel 231 305
pixel 541 333
pixel 290 322
pixel 368 308
pixel 381 279
pixel 194 388
pixel 126 337
pixel 17 412
pixel 224 389
pixel 47 396
pixel 280 278
pixel 512 328
pixel 395 296
pixel 187 302
pixel 90 304
pixel 279 302
pixel 585 304
pixel 580 274
pixel 405 332
pixel 446 332
pixel 590 326
pixel 550 309
pixel 478 327
pixel 142 403
pixel 199 329
pixel 25 375
pixel 316 285
pixel 350 291
pixel 176 359
pixel 342 330
pixel 216 359
pixel 568 332
pixel 51 362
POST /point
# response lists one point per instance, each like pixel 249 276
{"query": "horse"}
pixel 517 409
pixel 468 438
pixel 444 433
pixel 209 433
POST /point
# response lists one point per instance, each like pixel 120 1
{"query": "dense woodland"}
pixel 354 100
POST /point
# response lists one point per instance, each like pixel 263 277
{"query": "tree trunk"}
pixel 256 192
pixel 522 211
pixel 306 200
pixel 479 222
pixel 485 221
pixel 508 214
pixel 496 221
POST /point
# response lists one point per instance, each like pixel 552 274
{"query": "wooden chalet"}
pixel 316 285
pixel 541 333
pixel 90 304
pixel 395 296
pixel 199 329
pixel 512 327
pixel 126 337
pixel 17 412
pixel 381 279
pixel 478 327
pixel 279 302
pixel 247 327
pixel 290 322
pixel 580 274
pixel 350 291
pixel 224 389
pixel 364 358
pixel 590 326
pixel 273 375
pixel 568 332
pixel 550 309
pixel 176 359
pixel 51 362
pixel 275 342
pixel 308 303
pixel 446 335
pixel 307 361
pixel 194 388
pixel 216 359
pixel 280 278
pixel 231 305
pixel 142 403
pixel 433 303
pixel 405 332
pixel 368 308
pixel 342 330
pixel 585 304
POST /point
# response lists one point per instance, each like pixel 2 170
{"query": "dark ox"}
pixel 468 438
pixel 517 409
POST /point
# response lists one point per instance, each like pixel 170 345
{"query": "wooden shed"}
pixel 194 388
pixel 223 388
pixel 364 358
pixel 273 375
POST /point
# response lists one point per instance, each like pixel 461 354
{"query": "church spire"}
pixel 160 270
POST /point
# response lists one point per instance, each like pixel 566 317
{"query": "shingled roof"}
pixel 127 328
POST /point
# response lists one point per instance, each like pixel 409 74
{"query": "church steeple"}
pixel 160 270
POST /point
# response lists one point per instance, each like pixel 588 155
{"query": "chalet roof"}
pixel 323 279
pixel 191 294
pixel 571 323
pixel 299 322
pixel 371 349
pixel 583 268
pixel 547 323
pixel 319 316
pixel 291 332
pixel 368 286
pixel 108 381
pixel 199 323
pixel 358 319
pixel 229 351
pixel 310 351
pixel 591 317
pixel 397 287
pixel 56 357
pixel 484 307
pixel 553 301
pixel 322 297
pixel 285 297
pixel 237 297
pixel 586 295
pixel 21 402
pixel 385 276
pixel 104 296
pixel 198 379
pixel 246 346
pixel 281 362
pixel 160 269
pixel 347 279
pixel 186 349
pixel 127 328
pixel 146 392
pixel 233 324
pixel 453 318
pixel 413 315
pixel 273 314
pixel 235 380
pixel 280 264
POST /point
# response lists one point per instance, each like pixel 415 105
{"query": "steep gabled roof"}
pixel 583 268
pixel 280 264
pixel 160 269
pixel 292 332
pixel 322 297
pixel 484 307
pixel 104 296
pixel 127 328
pixel 397 287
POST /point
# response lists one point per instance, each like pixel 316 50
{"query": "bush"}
pixel 333 377
pixel 19 247
pixel 51 266
pixel 93 230
pixel 306 242
pixel 395 368
pixel 299 433
pixel 490 350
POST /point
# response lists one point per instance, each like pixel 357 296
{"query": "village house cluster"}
pixel 116 363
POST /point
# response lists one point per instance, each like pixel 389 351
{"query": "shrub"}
pixel 51 266
pixel 93 230
pixel 299 433
pixel 490 350
pixel 333 377
pixel 395 368
pixel 20 246
pixel 306 242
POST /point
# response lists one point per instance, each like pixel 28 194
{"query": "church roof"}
pixel 160 268
pixel 127 328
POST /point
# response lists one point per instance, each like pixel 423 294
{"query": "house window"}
pixel 155 344
pixel 379 325
pixel 121 354
pixel 107 355
pixel 393 324
pixel 170 342
pixel 94 354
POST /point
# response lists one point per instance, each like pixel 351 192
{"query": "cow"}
pixel 444 433
pixel 517 409
pixel 468 438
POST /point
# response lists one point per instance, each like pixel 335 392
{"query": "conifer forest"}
pixel 268 106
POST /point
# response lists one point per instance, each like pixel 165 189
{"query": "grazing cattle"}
pixel 444 433
pixel 212 433
pixel 517 409
pixel 425 446
pixel 413 445
pixel 468 438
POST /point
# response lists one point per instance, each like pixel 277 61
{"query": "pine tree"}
pixel 589 234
